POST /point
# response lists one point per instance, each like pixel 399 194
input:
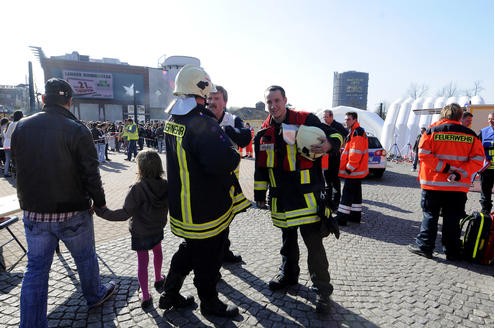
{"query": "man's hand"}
pixel 323 147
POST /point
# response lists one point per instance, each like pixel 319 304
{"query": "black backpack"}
pixel 477 242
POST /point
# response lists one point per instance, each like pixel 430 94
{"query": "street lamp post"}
pixel 135 105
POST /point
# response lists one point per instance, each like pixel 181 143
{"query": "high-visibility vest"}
pixel 132 132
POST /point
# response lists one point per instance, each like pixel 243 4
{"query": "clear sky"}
pixel 248 45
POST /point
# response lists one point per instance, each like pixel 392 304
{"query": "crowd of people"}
pixel 127 137
pixel 202 194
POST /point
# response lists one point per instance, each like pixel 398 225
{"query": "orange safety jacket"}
pixel 447 148
pixel 354 158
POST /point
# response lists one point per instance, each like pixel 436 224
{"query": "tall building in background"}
pixel 350 89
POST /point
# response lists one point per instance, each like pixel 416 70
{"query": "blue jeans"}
pixel 100 151
pixel 159 144
pixel 131 149
pixel 42 238
pixel 8 158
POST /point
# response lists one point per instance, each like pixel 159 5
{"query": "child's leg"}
pixel 142 273
pixel 157 261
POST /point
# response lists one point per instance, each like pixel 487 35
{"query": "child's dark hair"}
pixel 149 164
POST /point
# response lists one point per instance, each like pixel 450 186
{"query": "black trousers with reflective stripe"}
pixel 204 257
pixel 317 257
pixel 352 194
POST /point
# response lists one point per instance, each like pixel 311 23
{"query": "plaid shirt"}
pixel 49 217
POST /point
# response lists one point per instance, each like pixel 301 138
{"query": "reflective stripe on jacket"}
pixel 447 147
pixel 354 158
pixel 295 182
pixel 200 170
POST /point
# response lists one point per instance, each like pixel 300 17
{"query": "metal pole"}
pixel 135 106
pixel 31 89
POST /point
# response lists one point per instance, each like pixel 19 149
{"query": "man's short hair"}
pixel 466 114
pixel 57 92
pixel 222 90
pixel 451 112
pixel 352 114
pixel 275 88
pixel 328 111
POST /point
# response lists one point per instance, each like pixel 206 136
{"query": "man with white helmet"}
pixel 200 170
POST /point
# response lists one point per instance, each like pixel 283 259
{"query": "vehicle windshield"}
pixel 373 142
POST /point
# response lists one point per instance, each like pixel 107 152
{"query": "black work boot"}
pixel 218 308
pixel 341 219
pixel 172 300
pixel 322 303
pixel 281 281
pixel 355 217
pixel 231 258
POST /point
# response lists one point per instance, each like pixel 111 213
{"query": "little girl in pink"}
pixel 146 204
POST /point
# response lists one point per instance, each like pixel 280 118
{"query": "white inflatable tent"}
pixel 400 111
pixel 371 122
pixel 388 131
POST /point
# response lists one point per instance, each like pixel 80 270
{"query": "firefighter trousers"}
pixel 204 258
pixel 317 257
pixel 452 204
pixel 351 206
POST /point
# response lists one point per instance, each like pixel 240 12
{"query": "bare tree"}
pixel 416 90
pixel 450 90
pixel 477 88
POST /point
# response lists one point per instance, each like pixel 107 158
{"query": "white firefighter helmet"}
pixel 307 136
pixel 193 80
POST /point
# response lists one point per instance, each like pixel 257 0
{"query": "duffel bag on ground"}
pixel 477 242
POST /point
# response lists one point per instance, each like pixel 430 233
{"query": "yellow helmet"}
pixel 193 80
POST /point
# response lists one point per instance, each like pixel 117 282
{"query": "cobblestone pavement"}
pixel 378 283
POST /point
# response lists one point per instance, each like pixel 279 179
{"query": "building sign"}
pixel 90 84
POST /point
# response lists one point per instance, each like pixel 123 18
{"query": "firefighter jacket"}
pixel 354 158
pixel 486 137
pixel 296 183
pixel 200 171
pixel 240 136
pixel 447 148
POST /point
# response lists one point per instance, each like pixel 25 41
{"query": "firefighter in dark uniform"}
pixel 296 191
pixel 200 170
pixel 332 173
